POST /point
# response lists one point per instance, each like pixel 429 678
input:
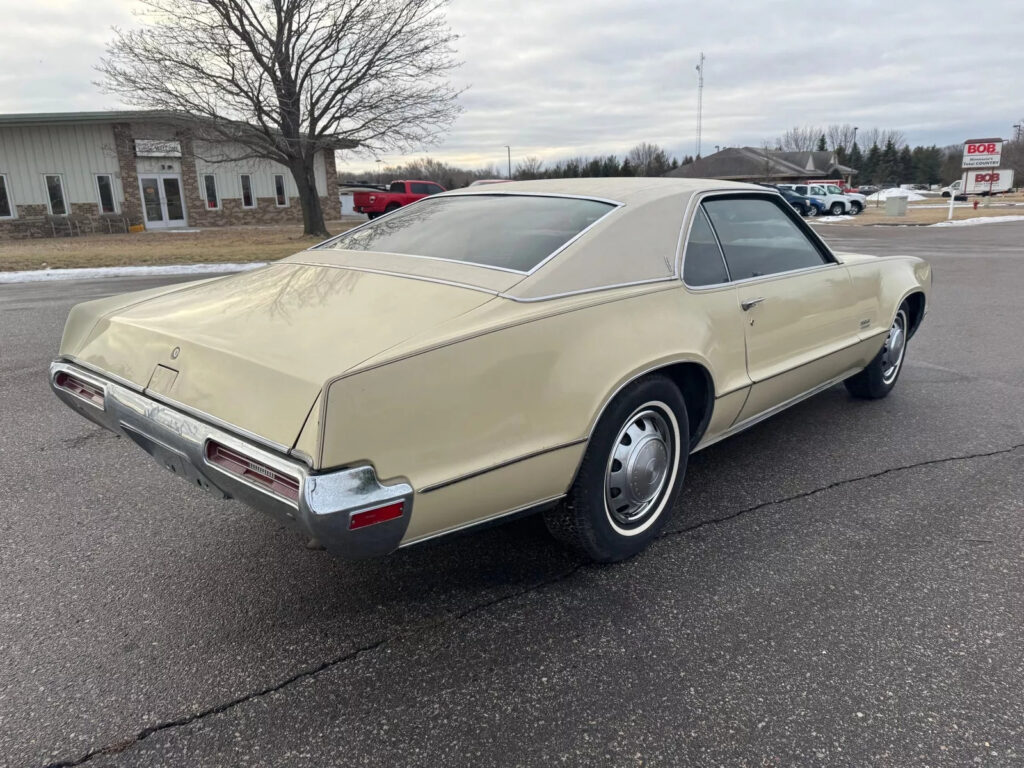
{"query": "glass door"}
pixel 162 201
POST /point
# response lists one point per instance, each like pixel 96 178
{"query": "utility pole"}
pixel 1018 131
pixel 700 97
pixel 507 147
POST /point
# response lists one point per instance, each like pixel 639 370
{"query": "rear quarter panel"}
pixel 532 389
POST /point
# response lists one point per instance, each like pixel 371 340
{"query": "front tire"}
pixel 630 476
pixel 877 380
pixel 855 208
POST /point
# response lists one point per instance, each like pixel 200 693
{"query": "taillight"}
pixel 235 463
pixel 80 388
pixel 374 516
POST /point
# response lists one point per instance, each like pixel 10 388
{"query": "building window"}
pixel 210 191
pixel 105 185
pixel 55 194
pixel 6 207
pixel 282 198
pixel 248 200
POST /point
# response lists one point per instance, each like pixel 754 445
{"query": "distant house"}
pixel 139 167
pixel 753 164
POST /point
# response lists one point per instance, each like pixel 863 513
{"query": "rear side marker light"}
pixel 256 472
pixel 373 516
pixel 80 388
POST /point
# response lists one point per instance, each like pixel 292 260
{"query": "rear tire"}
pixel 836 209
pixel 630 476
pixel 812 211
pixel 879 377
pixel 391 207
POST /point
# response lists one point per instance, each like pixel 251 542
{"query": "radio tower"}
pixel 700 97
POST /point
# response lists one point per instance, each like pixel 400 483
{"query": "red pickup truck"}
pixel 399 193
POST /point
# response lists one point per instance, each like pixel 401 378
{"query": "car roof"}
pixel 626 189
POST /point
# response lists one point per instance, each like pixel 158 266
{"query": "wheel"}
pixel 630 475
pixel 372 216
pixel 945 194
pixel 855 207
pixel 836 209
pixel 391 207
pixel 812 211
pixel 878 379
pixel 805 210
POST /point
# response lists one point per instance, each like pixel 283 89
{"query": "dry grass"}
pixel 919 213
pixel 206 246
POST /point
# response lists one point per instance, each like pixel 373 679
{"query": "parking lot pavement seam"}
pixel 113 749
pixel 145 733
pixel 121 746
pixel 839 484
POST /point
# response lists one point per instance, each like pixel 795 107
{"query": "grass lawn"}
pixel 922 212
pixel 205 246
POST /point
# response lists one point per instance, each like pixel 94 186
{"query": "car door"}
pixel 800 322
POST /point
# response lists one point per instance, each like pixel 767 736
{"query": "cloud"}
pixel 556 79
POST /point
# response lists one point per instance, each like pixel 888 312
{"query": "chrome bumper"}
pixel 326 502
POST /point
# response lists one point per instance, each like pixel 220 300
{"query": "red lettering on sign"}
pixel 981 149
pixel 993 177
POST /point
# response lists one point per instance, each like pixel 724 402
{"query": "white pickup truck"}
pixel 836 203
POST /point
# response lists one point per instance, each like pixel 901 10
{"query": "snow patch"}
pixel 92 273
pixel 895 192
pixel 830 219
pixel 979 220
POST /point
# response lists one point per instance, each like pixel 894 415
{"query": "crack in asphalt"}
pixel 839 484
pixel 121 746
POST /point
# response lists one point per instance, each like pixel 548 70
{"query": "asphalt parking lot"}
pixel 841 585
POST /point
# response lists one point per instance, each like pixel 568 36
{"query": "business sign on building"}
pixel 157 148
pixel 982 153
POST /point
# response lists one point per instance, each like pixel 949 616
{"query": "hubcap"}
pixel 895 346
pixel 638 467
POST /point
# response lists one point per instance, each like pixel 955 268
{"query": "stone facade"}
pixel 131 206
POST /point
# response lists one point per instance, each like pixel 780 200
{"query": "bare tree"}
pixel 881 136
pixel 798 139
pixel 529 168
pixel 648 160
pixel 837 136
pixel 287 79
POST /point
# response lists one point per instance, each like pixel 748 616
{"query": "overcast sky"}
pixel 556 78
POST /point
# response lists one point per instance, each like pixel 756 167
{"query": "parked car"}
pixel 836 204
pixel 399 193
pixel 488 352
pixel 843 186
pixel 805 206
pixel 858 202
pixel 868 189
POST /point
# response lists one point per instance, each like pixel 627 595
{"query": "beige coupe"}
pixel 550 346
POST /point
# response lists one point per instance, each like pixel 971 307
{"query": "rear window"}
pixel 514 232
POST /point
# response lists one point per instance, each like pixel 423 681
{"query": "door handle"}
pixel 748 303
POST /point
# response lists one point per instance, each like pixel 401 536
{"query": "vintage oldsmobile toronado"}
pixel 553 346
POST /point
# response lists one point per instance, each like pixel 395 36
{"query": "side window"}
pixel 419 188
pixel 818 191
pixel 433 189
pixel 397 186
pixel 800 190
pixel 702 261
pixel 759 238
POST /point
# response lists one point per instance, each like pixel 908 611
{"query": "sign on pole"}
pixel 982 153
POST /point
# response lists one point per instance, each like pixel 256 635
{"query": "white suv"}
pixel 836 203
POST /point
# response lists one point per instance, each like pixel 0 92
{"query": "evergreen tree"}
pixel 626 168
pixel 871 162
pixel 856 161
pixel 906 166
pixel 822 145
pixel 888 169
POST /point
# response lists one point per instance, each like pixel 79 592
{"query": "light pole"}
pixel 854 137
pixel 1018 131
pixel 509 149
pixel 380 178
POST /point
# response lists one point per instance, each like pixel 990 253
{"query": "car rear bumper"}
pixel 350 511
